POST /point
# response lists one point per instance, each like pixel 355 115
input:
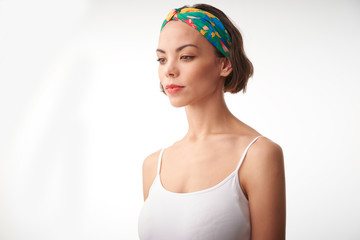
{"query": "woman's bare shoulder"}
pixel 264 162
pixel 264 154
pixel 149 171
pixel 264 149
pixel 150 161
pixel 263 157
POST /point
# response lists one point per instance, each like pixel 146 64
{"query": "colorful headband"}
pixel 206 23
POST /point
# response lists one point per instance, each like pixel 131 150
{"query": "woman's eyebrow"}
pixel 179 48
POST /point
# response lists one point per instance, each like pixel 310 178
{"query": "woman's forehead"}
pixel 177 33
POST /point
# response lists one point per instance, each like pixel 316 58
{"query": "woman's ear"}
pixel 226 67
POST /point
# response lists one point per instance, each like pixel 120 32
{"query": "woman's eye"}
pixel 187 57
pixel 161 60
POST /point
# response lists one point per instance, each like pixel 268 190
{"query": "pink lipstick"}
pixel 172 88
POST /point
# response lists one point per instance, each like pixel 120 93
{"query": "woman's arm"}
pixel 265 188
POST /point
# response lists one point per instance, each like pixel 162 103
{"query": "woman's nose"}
pixel 172 69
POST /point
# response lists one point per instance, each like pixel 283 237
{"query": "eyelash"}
pixel 185 57
pixel 159 59
pixel 188 57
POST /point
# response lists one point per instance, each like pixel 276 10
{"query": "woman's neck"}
pixel 207 117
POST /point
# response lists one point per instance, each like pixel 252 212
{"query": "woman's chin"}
pixel 177 103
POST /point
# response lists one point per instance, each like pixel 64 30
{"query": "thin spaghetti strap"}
pixel 159 160
pixel 244 154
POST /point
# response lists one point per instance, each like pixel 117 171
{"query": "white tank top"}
pixel 218 212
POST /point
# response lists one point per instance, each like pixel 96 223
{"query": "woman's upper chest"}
pixel 193 167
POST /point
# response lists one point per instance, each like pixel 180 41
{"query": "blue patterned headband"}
pixel 204 22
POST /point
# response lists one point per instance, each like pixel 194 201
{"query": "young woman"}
pixel 210 185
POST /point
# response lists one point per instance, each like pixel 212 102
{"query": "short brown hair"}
pixel 242 68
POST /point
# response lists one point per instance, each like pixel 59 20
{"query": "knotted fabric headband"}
pixel 204 22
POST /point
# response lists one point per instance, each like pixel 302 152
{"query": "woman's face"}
pixel 188 60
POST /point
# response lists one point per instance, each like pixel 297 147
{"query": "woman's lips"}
pixel 172 88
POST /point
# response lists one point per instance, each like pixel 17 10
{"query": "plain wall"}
pixel 81 108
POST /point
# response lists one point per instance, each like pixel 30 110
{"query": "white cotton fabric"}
pixel 220 212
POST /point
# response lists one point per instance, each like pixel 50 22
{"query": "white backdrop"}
pixel 81 108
